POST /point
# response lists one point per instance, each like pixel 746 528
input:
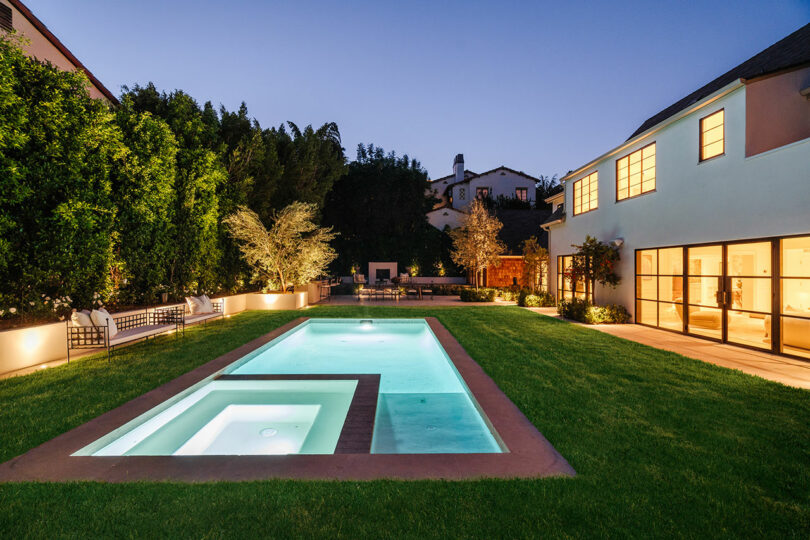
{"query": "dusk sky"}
pixel 540 87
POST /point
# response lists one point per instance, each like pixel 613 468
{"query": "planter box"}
pixel 296 300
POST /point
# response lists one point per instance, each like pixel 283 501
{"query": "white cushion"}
pixel 207 306
pixel 194 304
pixel 81 318
pixel 101 317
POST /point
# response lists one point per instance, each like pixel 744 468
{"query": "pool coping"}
pixel 530 454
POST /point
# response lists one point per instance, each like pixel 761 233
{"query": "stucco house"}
pixel 44 46
pixel 456 191
pixel 709 201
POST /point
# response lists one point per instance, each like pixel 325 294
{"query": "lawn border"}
pixel 530 455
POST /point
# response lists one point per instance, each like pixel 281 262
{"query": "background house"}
pixel 44 46
pixel 456 191
pixel 710 202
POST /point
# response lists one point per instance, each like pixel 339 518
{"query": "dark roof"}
pixel 558 214
pixel 520 225
pixel 792 51
pixel 466 172
pixel 40 26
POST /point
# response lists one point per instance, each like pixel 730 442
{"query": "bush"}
pixel 508 295
pixel 541 299
pixel 584 311
pixel 449 290
pixel 479 295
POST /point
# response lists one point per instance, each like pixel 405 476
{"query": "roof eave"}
pixel 708 100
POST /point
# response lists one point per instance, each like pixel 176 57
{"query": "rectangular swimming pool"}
pixel 423 405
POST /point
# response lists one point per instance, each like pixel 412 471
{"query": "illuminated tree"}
pixel 475 244
pixel 294 251
pixel 535 263
pixel 594 262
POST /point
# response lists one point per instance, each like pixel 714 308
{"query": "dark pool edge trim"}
pixel 530 454
pixel 358 427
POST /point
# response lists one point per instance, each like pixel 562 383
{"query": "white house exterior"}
pixel 456 191
pixel 710 203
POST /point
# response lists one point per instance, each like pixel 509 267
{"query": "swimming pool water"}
pixel 423 406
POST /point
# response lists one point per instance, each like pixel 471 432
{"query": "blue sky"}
pixel 537 86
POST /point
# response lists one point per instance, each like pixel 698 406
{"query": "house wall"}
pixel 502 183
pixel 731 197
pixel 511 268
pixel 775 111
pixel 445 217
pixel 41 48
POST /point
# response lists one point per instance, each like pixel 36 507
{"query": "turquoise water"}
pixel 423 407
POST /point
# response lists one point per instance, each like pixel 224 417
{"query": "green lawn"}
pixel 663 446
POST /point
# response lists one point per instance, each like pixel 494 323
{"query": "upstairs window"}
pixel 712 135
pixel 522 193
pixel 586 193
pixel 635 173
pixel 482 192
pixel 5 18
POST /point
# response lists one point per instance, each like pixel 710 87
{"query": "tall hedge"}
pixel 57 149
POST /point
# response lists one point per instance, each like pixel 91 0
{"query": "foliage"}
pixel 476 244
pixel 143 192
pixel 57 148
pixel 527 298
pixel 502 202
pixel 545 188
pixel 594 262
pixel 379 208
pixel 583 311
pixel 293 252
pixel 477 295
pixel 535 263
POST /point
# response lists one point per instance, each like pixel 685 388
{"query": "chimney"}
pixel 458 167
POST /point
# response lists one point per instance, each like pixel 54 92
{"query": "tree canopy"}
pixel 379 208
pixel 476 244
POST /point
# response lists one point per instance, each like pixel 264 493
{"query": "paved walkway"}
pixel 768 366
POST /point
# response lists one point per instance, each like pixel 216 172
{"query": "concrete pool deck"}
pixel 781 369
pixel 529 454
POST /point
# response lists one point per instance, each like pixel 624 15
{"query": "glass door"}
pixel 705 291
pixel 748 295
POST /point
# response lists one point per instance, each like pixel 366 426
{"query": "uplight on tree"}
pixel 294 251
pixel 475 244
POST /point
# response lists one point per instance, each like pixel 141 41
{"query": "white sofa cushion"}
pixel 194 304
pixel 101 317
pixel 207 306
pixel 81 318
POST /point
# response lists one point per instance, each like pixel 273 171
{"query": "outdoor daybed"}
pixel 99 329
pixel 198 309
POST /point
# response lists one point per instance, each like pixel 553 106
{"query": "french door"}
pixel 730 293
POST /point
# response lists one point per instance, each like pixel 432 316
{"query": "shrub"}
pixel 541 299
pixel 584 311
pixel 508 295
pixel 449 290
pixel 477 295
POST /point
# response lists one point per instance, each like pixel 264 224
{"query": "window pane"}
pixel 749 259
pixel 646 261
pixel 647 312
pixel 752 294
pixel 796 257
pixel 796 336
pixel 670 261
pixel 670 316
pixel 646 287
pixel 705 321
pixel 796 297
pixel 752 329
pixel 706 261
pixel 703 291
pixel 670 289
